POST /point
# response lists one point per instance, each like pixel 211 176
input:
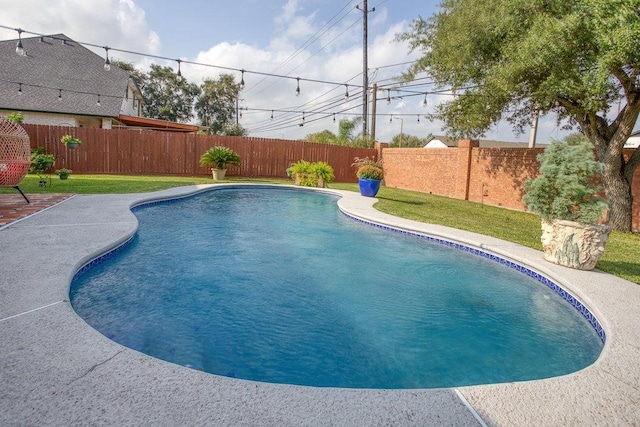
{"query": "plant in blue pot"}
pixel 369 175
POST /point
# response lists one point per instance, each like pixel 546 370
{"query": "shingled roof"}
pixel 58 75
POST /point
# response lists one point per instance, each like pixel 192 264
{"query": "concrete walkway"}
pixel 57 370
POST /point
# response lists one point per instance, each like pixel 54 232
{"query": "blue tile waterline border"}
pixel 563 293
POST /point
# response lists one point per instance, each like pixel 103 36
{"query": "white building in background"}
pixel 633 141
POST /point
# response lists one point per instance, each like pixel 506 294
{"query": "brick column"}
pixel 379 146
pixel 465 147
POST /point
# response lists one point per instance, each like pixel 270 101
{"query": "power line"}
pixel 179 61
pixel 309 41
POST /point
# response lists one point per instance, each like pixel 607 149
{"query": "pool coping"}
pixel 55 369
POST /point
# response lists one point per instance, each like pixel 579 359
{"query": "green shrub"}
pixel 567 187
pixel 219 157
pixel 309 174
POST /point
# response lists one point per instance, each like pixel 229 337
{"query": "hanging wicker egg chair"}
pixel 15 154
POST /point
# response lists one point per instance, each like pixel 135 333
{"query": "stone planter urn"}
pixel 572 244
pixel 218 174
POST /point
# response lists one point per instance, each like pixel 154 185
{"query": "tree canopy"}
pixel 511 59
pixel 168 96
pixel 346 135
pixel 216 105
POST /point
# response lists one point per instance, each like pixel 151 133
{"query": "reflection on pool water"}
pixel 276 285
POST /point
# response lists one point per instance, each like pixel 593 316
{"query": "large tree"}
pixel 217 103
pixel 511 59
pixel 168 96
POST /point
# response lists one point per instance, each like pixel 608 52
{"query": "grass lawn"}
pixel 621 256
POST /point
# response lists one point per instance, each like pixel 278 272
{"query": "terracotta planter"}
pixel 218 174
pixel 572 244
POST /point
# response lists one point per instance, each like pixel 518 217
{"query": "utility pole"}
pixel 365 66
pixel 374 102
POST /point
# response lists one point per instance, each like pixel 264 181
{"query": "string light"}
pixel 179 72
pixel 391 118
pixel 59 94
pixel 346 93
pixel 107 63
pixel 242 80
pixel 388 96
pixel 19 47
pixel 334 117
pixel 418 118
pixel 271 114
pixel 298 87
pixel 302 123
pixel 20 88
pixel 98 103
pixel 424 103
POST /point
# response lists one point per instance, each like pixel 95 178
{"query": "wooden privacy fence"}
pixel 138 152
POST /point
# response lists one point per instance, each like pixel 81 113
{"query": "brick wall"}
pixel 494 176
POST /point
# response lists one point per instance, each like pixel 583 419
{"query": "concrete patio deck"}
pixel 56 370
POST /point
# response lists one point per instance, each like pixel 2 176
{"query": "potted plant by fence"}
pixel 566 196
pixel 64 173
pixel 322 173
pixel 370 175
pixel 70 141
pixel 41 162
pixel 309 174
pixel 219 157
pixel 300 171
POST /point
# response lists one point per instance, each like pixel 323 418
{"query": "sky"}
pixel 319 41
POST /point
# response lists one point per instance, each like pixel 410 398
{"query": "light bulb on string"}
pixel 242 79
pixel 271 114
pixel 334 117
pixel 391 118
pixel 418 118
pixel 98 102
pixel 302 123
pixel 19 47
pixel 298 87
pixel 59 94
pixel 179 73
pixel 346 93
pixel 388 97
pixel 107 62
pixel 424 103
pixel 20 88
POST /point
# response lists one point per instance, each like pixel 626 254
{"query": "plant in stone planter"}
pixel 308 174
pixel 323 173
pixel 565 195
pixel 64 173
pixel 219 157
pixel 70 141
pixel 300 171
pixel 370 175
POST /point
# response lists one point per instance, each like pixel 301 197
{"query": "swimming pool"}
pixel 279 286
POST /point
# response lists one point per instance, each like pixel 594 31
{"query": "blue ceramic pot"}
pixel 369 187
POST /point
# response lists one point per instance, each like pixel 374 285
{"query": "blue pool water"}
pixel 277 285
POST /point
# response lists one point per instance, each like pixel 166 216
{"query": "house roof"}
pixel 61 76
